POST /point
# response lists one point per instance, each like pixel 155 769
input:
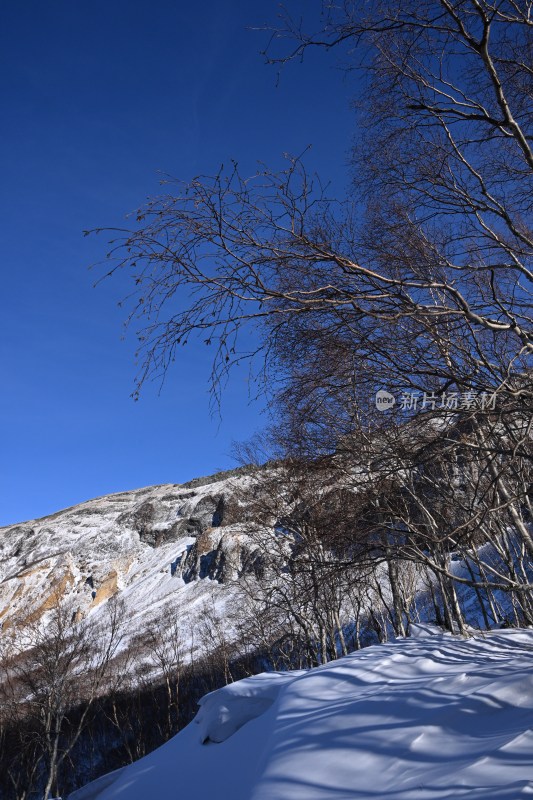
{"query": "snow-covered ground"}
pixel 433 717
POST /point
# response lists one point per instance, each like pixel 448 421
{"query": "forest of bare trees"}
pixel 75 702
pixel 418 284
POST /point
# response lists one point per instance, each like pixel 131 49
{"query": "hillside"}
pixel 120 613
pixel 433 717
pixel 148 546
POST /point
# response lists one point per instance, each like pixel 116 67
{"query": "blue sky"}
pixel 96 99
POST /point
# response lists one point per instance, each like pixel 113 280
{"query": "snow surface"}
pixel 433 717
pixel 226 710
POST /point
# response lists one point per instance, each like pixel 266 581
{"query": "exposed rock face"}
pixel 221 554
pixel 207 511
pixel 205 559
pixel 148 545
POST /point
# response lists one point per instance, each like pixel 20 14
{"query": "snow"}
pixel 421 630
pixel 433 717
pixel 226 710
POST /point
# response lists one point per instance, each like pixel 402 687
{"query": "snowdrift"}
pixel 433 717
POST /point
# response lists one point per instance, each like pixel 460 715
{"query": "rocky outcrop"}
pixel 108 588
pixel 206 558
pixel 205 511
pixel 221 554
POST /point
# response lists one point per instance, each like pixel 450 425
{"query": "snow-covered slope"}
pixel 434 717
pixel 147 545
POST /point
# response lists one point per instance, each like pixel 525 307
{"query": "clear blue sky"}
pixel 96 98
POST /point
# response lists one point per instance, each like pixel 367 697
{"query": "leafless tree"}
pixel 166 649
pixel 440 261
pixel 53 676
pixel 421 280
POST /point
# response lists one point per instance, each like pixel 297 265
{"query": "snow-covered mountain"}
pixel 147 546
pixel 433 717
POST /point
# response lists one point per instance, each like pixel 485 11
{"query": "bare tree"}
pixel 53 676
pixel 166 649
pixel 422 280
